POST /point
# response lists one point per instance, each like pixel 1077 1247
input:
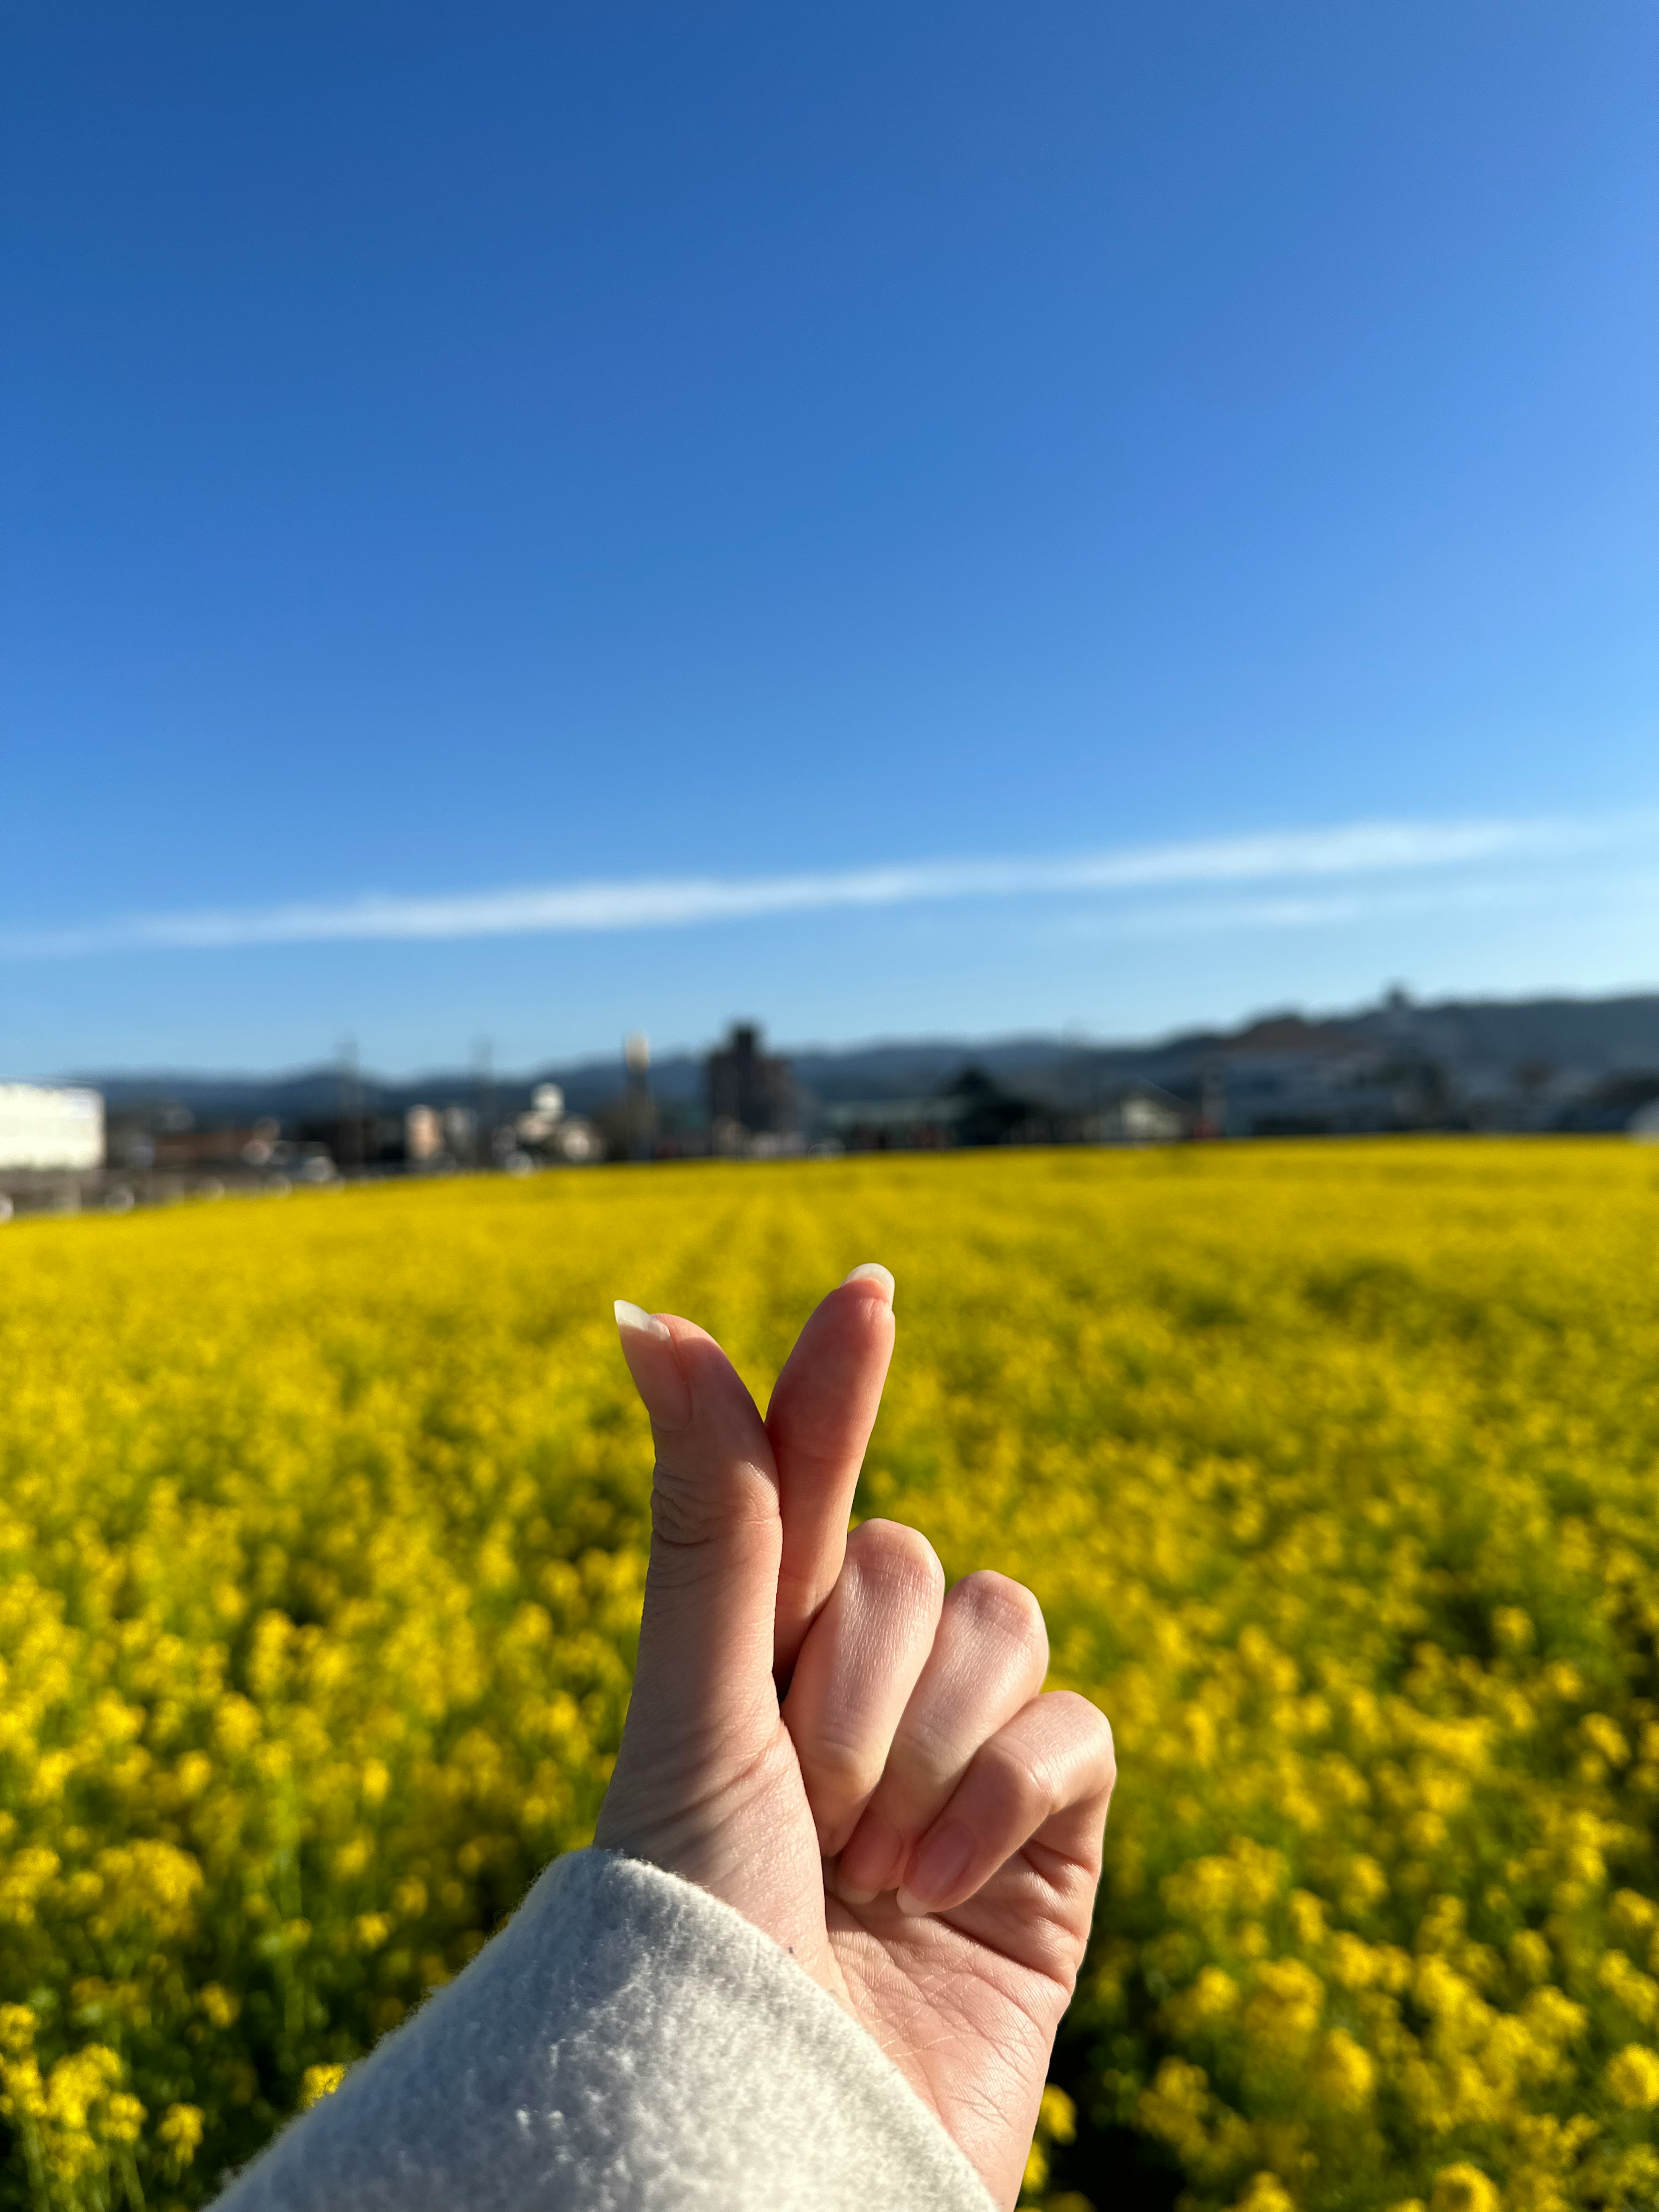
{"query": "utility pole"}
pixel 1212 1099
pixel 351 1106
pixel 483 1105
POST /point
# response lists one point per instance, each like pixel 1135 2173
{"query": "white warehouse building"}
pixel 46 1129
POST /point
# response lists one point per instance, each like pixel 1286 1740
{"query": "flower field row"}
pixel 1336 1468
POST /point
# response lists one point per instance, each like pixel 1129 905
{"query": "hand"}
pixel 915 1823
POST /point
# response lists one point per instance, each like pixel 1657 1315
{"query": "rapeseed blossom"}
pixel 1335 1467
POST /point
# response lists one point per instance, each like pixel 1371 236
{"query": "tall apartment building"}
pixel 751 1089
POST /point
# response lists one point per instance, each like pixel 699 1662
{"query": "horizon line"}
pixel 1070 1038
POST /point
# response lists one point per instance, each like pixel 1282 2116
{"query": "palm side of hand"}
pixel 914 1822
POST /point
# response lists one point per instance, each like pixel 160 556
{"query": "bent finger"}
pixel 989 1658
pixel 860 1663
pixel 1046 1778
pixel 822 1408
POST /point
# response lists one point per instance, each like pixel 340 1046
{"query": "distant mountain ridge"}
pixel 1593 1038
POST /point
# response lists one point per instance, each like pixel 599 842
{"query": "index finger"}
pixel 822 1409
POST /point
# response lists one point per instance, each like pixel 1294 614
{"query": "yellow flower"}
pixel 179 2134
pixel 320 2081
pixel 1281 2017
pixel 325 1530
pixel 1343 2073
pixel 123 2117
pixel 1264 2192
pixel 1463 2188
pixel 1633 2076
pixel 1056 2115
pixel 220 2005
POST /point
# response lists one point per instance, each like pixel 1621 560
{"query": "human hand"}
pixel 916 1822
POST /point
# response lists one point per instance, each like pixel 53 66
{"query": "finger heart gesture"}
pixel 914 1819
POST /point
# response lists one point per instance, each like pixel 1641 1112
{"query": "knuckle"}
pixel 1090 1733
pixel 839 1774
pixel 1017 1780
pixel 1004 1607
pixel 897 1561
pixel 928 1756
pixel 691 1508
pixel 677 1519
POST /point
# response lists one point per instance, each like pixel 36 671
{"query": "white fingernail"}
pixel 628 1315
pixel 911 1907
pixel 872 1272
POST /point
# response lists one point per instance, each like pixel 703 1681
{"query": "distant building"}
pixel 1287 1077
pixel 541 1124
pixel 577 1140
pixel 883 1125
pixel 749 1092
pixel 1139 1114
pixel 253 1147
pixel 352 1142
pixel 48 1128
pixel 972 1109
pixel 423 1135
pixel 975 1109
pixel 548 1133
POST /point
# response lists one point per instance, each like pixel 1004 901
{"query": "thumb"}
pixel 704 1675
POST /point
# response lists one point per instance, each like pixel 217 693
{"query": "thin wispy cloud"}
pixel 1631 893
pixel 1358 851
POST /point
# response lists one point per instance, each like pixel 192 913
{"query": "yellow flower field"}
pixel 1336 1468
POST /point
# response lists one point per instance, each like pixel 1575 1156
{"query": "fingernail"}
pixel 871 1271
pixel 628 1315
pixel 849 1894
pixel 648 1348
pixel 938 1866
pixel 876 1853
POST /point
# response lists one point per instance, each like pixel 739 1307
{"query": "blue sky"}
pixel 527 522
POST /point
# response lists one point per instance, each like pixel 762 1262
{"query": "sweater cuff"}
pixel 627 2044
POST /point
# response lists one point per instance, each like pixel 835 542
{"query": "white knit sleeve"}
pixel 626 2044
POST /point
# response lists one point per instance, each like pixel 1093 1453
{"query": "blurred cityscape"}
pixel 1548 1066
